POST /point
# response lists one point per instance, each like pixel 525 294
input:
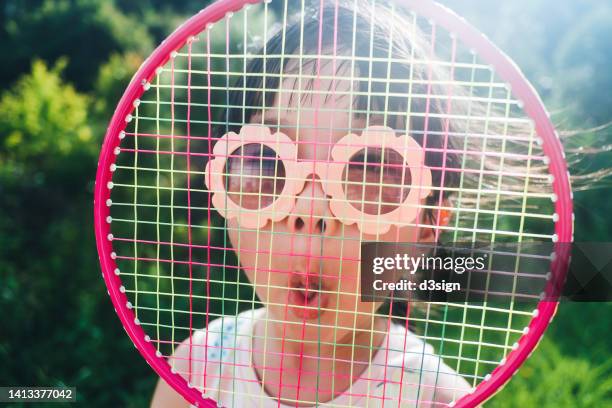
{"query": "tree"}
pixel 86 31
pixel 49 276
pixel 42 120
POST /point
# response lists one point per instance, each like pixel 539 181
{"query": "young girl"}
pixel 314 342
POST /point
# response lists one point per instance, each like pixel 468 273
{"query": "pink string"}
pixel 144 259
pixel 516 156
pixel 209 196
pixel 298 142
pixel 254 251
pixel 189 238
pixel 417 229
pixel 309 246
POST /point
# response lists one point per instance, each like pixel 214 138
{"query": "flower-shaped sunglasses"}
pixel 376 179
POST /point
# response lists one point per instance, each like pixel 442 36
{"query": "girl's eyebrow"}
pixel 272 119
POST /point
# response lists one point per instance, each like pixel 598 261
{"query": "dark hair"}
pixel 381 50
pixel 399 84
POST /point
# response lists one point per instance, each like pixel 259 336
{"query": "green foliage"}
pixel 113 77
pixel 42 121
pixel 570 331
pixel 61 328
pixel 551 379
pixel 86 31
pixel 160 16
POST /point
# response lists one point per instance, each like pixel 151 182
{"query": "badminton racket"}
pixel 262 143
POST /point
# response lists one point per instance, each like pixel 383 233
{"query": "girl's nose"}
pixel 311 213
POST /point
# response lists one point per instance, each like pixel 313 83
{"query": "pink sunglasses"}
pixel 376 180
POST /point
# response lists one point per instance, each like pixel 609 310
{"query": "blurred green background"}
pixel 64 67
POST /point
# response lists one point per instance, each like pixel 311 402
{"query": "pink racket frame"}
pixel 505 68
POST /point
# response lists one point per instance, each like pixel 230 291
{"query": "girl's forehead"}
pixel 316 96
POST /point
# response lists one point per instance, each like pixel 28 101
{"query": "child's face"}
pixel 300 260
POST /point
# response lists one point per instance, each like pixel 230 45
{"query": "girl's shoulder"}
pixel 413 365
pixel 402 341
pixel 219 352
pixel 227 333
pixel 219 341
pixel 413 353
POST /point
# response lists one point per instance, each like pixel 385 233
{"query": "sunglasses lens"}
pixel 376 180
pixel 254 176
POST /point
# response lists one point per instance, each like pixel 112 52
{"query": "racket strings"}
pixel 179 268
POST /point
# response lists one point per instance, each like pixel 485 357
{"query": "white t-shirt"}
pixel 232 381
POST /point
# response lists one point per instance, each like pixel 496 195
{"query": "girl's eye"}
pixel 256 151
pixel 370 160
pixel 254 176
pixel 253 159
pixel 376 180
pixel 375 160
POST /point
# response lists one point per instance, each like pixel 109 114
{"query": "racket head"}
pixel 505 69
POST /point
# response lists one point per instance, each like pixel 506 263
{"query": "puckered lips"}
pixel 306 297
